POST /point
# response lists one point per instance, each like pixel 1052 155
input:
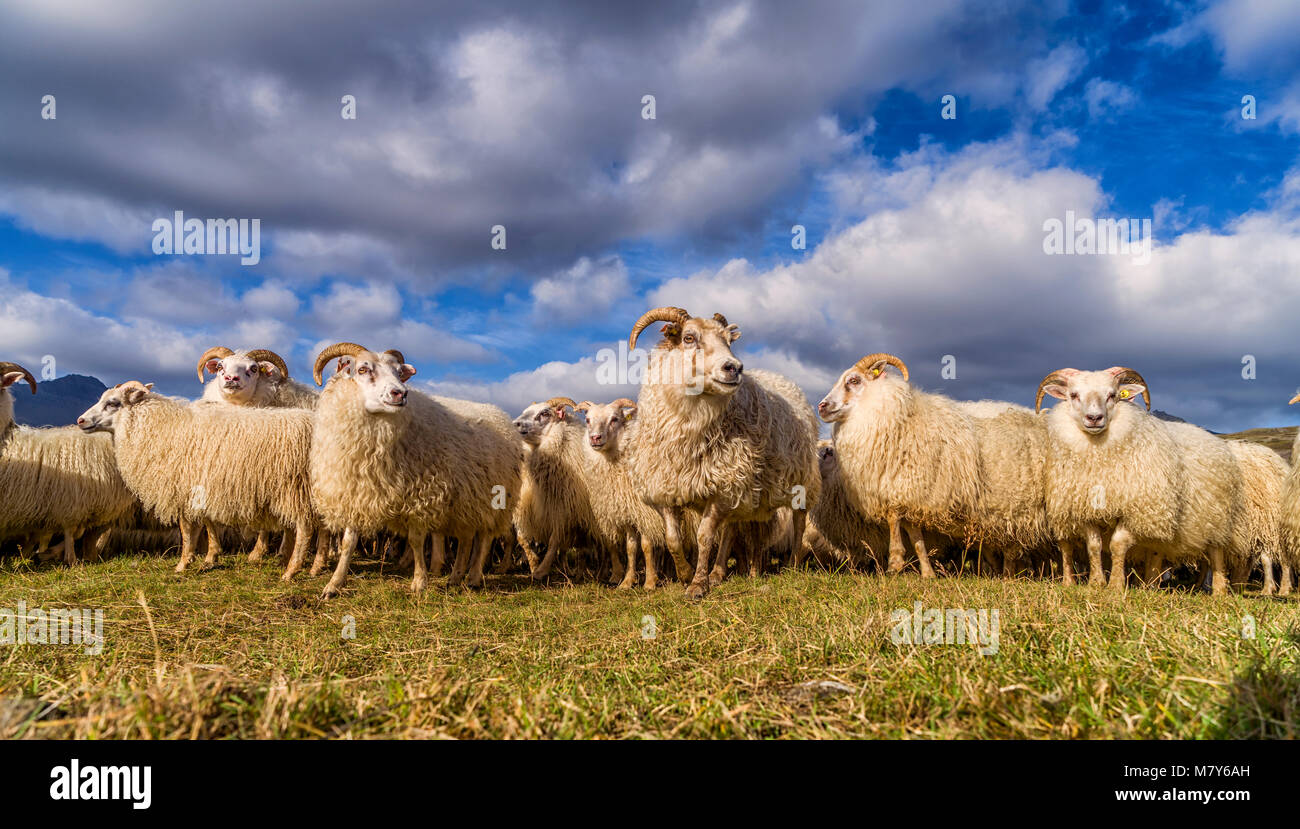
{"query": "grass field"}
pixel 234 653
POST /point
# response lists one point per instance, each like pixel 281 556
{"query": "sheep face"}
pixel 698 355
pixel 606 422
pixel 102 417
pixel 826 460
pixel 537 418
pixel 380 377
pixel 865 380
pixel 1092 395
pixel 238 377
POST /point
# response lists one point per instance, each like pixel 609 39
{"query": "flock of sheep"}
pixel 712 462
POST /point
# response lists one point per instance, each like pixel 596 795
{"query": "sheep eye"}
pixel 1074 395
pixel 363 370
pixel 855 380
pixel 1111 396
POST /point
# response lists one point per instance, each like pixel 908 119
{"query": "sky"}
pixel 925 236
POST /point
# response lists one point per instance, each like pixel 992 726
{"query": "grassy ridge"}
pixel 233 653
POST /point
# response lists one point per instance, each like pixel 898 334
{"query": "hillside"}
pixel 1277 438
pixel 58 402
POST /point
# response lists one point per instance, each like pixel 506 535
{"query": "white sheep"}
pixel 386 458
pixel 1258 535
pixel 175 458
pixel 735 445
pixel 56 479
pixel 623 519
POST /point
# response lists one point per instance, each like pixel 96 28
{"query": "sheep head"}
pixel 102 417
pixel 241 373
pixel 694 352
pixel 535 420
pixel 606 422
pixel 866 376
pixel 381 377
pixel 1093 395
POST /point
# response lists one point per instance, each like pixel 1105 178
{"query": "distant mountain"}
pixel 1167 416
pixel 57 402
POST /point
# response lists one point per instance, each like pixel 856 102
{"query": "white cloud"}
pixel 587 289
pixel 1108 97
pixel 1052 73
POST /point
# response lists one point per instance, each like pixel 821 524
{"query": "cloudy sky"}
pixel 924 234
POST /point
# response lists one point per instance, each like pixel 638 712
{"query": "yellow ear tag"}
pixel 1125 394
pixel 875 372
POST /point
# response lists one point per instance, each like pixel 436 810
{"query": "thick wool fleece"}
pixel 434 465
pixel 58 478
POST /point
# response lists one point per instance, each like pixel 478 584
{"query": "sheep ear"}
pixel 7 380
pixel 672 331
pixel 267 369
pixel 345 362
pixel 1059 392
pixel 212 366
pixel 733 332
pixel 560 414
pixel 405 372
pixel 629 412
pixel 1131 391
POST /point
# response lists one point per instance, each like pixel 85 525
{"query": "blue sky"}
pixel 923 234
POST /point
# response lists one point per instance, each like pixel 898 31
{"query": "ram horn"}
pixel 1289 402
pixel 556 402
pixel 871 359
pixel 624 403
pixel 1127 375
pixel 6 367
pixel 665 313
pixel 721 320
pixel 217 351
pixel 267 355
pixel 336 350
pixel 397 354
pixel 583 406
pixel 1062 375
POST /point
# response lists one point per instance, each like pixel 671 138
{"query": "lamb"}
pixel 1258 534
pixel 734 445
pixel 385 458
pixel 904 454
pixel 623 519
pixel 555 507
pixel 837 531
pixel 56 479
pixel 175 458
pixel 259 378
pixel 1119 478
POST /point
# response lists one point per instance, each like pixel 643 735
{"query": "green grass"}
pixel 234 653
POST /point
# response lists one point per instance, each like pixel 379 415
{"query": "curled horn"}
pixel 397 354
pixel 6 367
pixel 1127 375
pixel 336 350
pixel 871 359
pixel 664 313
pixel 217 351
pixel 624 403
pixel 583 406
pixel 556 402
pixel 1289 402
pixel 1062 375
pixel 721 319
pixel 267 355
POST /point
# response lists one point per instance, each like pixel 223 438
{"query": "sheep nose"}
pixel 823 406
pixel 81 421
pixel 733 367
pixel 397 395
pixel 1093 419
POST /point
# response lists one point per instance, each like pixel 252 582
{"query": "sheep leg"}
pixel 346 547
pixel 1285 588
pixel 896 548
pixel 483 548
pixel 1266 561
pixel 1238 572
pixel 214 546
pixel 530 555
pixel 1219 582
pixel 726 534
pixel 259 546
pixel 544 566
pixel 189 539
pixel 93 541
pixel 631 539
pixel 408 556
pixel 651 571
pixel 705 539
pixel 437 554
pixel 70 546
pixel 797 550
pixel 1008 565
pixel 286 548
pixel 302 535
pixel 1096 572
pixel 1155 568
pixel 673 536
pixel 322 552
pixel 458 570
pixel 1120 542
pixel 617 572
pixel 1067 562
pixel 507 561
pixel 415 548
pixel 917 536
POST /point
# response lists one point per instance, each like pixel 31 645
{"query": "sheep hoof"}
pixel 650 585
pixel 329 592
pixel 419 585
pixel 696 591
pixel 625 584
